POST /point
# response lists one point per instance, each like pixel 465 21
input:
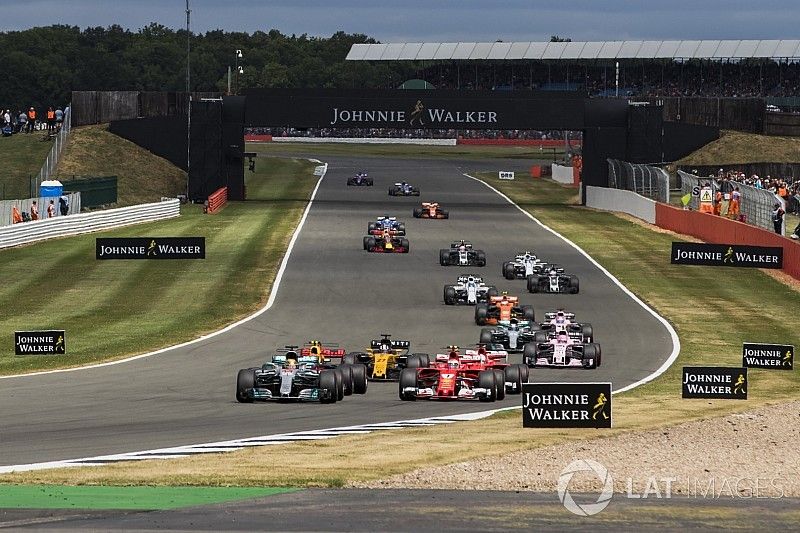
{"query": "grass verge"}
pixel 112 309
pixel 22 155
pixel 738 147
pixel 713 311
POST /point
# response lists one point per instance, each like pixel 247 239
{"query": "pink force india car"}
pixel 560 349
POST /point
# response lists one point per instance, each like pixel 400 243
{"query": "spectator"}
pixel 7 118
pixel 16 216
pixel 22 121
pixel 59 118
pixel 63 205
pixel 51 119
pixel 777 218
pixel 51 209
pixel 34 211
pixel 733 209
pixel 31 119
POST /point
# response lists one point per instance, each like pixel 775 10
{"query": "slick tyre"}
pixel 527 313
pixel 449 295
pixel 347 378
pixel 405 245
pixel 492 291
pixel 538 336
pixel 445 214
pixel 360 381
pixel 370 243
pixel 327 384
pixel 444 257
pixel 486 380
pixel 423 358
pixel 481 313
pixel 529 353
pixel 349 359
pixel 408 378
pixel 500 384
pixel 533 283
pixel 513 375
pixel 366 243
pixel 480 258
pixel 417 212
pixel 574 285
pixel 339 377
pixel 509 272
pixel 486 336
pixel 590 354
pixel 588 332
pixel 245 379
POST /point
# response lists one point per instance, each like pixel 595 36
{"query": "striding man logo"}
pixel 728 255
pixel 151 250
pixel 599 408
pixel 416 114
pixel 740 386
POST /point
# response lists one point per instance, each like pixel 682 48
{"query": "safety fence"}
pixel 73 203
pixel 217 199
pixel 621 201
pixel 38 230
pixel 649 181
pixel 755 204
pixel 55 152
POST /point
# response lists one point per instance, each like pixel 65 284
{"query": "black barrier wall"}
pixel 164 136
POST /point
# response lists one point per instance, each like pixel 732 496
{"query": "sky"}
pixel 432 20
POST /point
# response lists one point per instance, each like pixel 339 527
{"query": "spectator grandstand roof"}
pixel 770 49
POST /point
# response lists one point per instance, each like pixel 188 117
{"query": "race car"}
pixel 386 243
pixel 430 210
pixel 501 309
pixel 461 253
pixel 512 336
pixel 292 375
pixel 360 180
pixel 403 189
pixel 386 222
pixel 523 265
pixel 468 290
pixel 553 280
pixel 561 320
pixel 384 358
pixel 477 374
pixel 562 350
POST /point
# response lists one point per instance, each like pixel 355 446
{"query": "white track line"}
pixel 676 343
pixel 272 294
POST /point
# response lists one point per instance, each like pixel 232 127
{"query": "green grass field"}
pixel 23 156
pixel 111 309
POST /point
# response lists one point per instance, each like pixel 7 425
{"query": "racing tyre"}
pixel 500 384
pixel 368 182
pixel 359 375
pixel 347 379
pixel 524 373
pixel 405 245
pixel 527 313
pixel 444 257
pixel 408 378
pixel 245 379
pixel 413 361
pixel 574 286
pixel 486 336
pixel 449 295
pixel 445 214
pixel 590 352
pixel 392 192
pixel 417 212
pixel 366 242
pixel 533 283
pixel 327 382
pixel 529 354
pixel 588 332
pixel 401 228
pixel 415 193
pixel 513 374
pixel 539 336
pixel 349 359
pixel 370 227
pixel 509 272
pixel 424 359
pixel 492 291
pixel 339 377
pixel 480 258
pixel 486 381
pixel 371 243
pixel 481 312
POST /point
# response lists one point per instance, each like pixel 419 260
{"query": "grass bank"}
pixel 713 311
pixel 112 309
pixel 22 155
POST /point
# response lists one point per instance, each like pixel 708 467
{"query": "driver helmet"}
pixel 453 361
pixel 291 358
pixel 562 337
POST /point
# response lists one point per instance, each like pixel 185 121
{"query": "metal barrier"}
pixel 38 230
pixel 6 206
pixel 652 182
pixel 756 204
pixel 55 152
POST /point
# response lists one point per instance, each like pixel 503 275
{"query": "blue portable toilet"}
pixel 50 188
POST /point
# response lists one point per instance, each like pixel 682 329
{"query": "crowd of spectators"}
pixel 395 133
pixel 30 120
pixel 788 189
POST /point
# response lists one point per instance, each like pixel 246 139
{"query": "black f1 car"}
pixel 461 253
pixel 360 180
pixel 293 375
pixel 512 336
pixel 403 189
pixel 468 290
pixel 553 280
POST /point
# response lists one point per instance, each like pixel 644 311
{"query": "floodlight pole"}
pixel 189 96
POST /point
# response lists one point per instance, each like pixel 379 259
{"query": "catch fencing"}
pixel 55 152
pixel 755 204
pixel 38 230
pixel 649 181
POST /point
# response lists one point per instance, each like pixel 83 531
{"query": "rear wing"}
pixel 465 278
pixel 396 345
pixel 552 316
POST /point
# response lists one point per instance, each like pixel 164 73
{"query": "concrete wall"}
pixel 622 201
pixel 562 174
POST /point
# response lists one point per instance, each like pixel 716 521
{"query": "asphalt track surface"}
pixel 334 291
pixel 423 511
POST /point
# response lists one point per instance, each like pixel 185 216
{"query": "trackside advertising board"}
pixel 772 356
pixel 714 382
pixel 566 405
pixel 50 342
pixel 728 255
pixel 151 248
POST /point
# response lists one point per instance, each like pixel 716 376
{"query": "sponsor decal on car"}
pixel 566 405
pixel 772 356
pixel 714 382
pixel 50 342
pixel 150 248
pixel 730 255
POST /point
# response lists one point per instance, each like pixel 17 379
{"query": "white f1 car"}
pixel 468 290
pixel 553 280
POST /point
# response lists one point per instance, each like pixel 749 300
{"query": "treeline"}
pixel 41 66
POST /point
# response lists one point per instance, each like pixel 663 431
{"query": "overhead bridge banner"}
pixel 151 248
pixel 728 255
pixel 411 109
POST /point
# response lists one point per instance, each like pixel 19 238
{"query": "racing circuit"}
pixel 334 291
